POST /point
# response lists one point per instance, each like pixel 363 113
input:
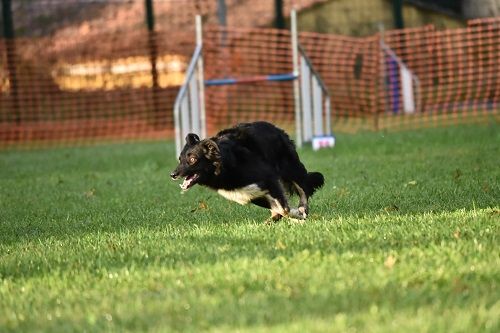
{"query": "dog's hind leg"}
pixel 303 208
pixel 279 203
pixel 277 199
pixel 277 210
pixel 268 202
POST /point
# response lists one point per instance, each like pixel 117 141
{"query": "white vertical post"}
pixel 201 79
pixel 407 89
pixel 317 107
pixel 178 136
pixel 194 105
pixel 296 73
pixel 328 115
pixel 184 117
pixel 305 94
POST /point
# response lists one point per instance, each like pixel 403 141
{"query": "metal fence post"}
pixel 222 12
pixel 279 18
pixel 397 11
pixel 153 55
pixel 10 47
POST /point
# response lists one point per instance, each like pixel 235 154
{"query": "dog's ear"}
pixel 192 139
pixel 212 153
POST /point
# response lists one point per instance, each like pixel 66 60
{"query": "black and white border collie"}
pixel 251 162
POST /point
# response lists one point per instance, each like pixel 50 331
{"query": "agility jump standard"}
pixel 311 96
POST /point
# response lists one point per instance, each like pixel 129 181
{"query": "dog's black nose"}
pixel 174 175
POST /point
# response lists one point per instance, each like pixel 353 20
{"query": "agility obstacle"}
pixel 311 96
pixel 400 81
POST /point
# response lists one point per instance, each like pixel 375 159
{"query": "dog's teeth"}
pixel 185 185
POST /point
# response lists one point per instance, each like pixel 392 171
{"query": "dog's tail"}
pixel 315 180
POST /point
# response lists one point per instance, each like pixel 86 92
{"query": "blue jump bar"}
pixel 251 79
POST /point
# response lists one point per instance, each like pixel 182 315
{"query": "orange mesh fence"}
pixel 102 87
pixel 456 71
pixel 69 90
pixel 243 53
pixel 450 75
pixel 349 67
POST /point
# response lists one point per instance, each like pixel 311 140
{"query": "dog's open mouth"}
pixel 189 182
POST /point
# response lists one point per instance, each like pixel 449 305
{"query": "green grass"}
pixel 404 237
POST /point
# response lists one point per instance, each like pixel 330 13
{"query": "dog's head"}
pixel 199 160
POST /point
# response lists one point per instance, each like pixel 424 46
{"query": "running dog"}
pixel 251 162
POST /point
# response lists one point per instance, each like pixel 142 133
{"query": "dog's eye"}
pixel 192 160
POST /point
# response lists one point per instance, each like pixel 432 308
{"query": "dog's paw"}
pixel 303 211
pixel 275 217
pixel 298 213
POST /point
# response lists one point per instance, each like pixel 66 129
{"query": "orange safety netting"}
pixel 457 70
pixel 104 88
pixel 80 92
pixel 453 75
pixel 241 53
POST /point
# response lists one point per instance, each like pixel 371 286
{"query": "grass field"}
pixel 404 237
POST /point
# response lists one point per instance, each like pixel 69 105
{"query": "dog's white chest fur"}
pixel 243 195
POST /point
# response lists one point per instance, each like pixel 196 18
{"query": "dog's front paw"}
pixel 275 217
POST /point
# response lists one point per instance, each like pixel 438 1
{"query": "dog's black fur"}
pixel 251 162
